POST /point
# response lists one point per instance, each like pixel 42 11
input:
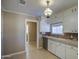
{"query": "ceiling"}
pixel 36 7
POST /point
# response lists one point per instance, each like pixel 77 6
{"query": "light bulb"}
pixel 48 12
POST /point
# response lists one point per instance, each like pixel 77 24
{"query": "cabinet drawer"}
pixel 72 47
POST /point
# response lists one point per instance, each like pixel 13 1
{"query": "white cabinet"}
pixel 70 21
pixel 71 52
pixel 68 12
pixel 60 50
pixel 76 20
pixel 44 26
pixel 56 48
pixel 52 46
pixel 49 45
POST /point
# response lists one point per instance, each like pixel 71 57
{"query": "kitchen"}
pixel 60 35
pixel 39 29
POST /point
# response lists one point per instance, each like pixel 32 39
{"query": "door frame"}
pixel 38 32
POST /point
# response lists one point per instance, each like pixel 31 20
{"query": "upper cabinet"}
pixel 76 20
pixel 68 18
pixel 44 25
pixel 70 21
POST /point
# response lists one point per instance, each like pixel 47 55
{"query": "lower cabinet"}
pixel 71 52
pixel 61 50
pixel 52 46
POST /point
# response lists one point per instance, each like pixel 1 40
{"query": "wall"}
pixel 2 41
pixel 13 32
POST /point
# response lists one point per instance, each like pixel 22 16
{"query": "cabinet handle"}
pixel 75 9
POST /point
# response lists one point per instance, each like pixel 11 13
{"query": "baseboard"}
pixel 16 53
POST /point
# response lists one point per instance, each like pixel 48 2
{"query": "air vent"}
pixel 22 2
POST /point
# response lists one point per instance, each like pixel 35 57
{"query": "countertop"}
pixel 65 41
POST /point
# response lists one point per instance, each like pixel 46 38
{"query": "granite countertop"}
pixel 65 41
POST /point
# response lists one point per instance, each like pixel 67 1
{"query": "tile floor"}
pixel 33 53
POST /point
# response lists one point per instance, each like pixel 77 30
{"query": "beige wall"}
pixel 13 39
pixel 32 29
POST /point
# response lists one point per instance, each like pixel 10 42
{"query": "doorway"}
pixel 32 32
pixel 27 40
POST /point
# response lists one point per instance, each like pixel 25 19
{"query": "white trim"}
pixel 17 12
pixel 25 40
pixel 16 53
pixel 37 21
pixel 31 20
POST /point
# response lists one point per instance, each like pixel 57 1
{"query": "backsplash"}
pixel 71 35
pixel 66 35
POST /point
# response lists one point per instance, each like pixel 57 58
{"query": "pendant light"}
pixel 48 12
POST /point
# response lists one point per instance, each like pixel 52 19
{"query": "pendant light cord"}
pixel 47 3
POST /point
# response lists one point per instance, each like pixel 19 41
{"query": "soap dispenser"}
pixel 71 36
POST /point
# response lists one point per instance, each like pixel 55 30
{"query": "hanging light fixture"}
pixel 48 12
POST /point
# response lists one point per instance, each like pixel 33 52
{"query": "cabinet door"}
pixel 44 26
pixel 71 53
pixel 69 22
pixel 49 45
pixel 67 25
pixel 67 12
pixel 54 47
pixel 75 52
pixel 76 20
pixel 60 51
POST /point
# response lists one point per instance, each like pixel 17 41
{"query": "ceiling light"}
pixel 48 12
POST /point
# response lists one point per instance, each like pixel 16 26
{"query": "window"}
pixel 57 29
